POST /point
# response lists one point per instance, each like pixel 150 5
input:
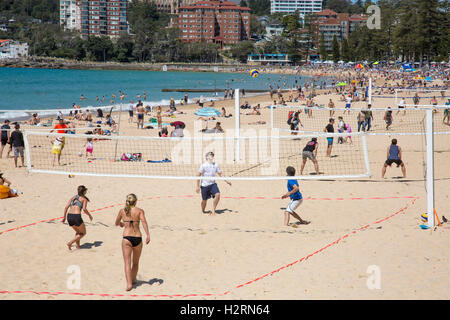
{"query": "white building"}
pixel 273 29
pixel 290 6
pixel 13 50
pixel 70 14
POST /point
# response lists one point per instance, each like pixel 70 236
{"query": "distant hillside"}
pixel 22 10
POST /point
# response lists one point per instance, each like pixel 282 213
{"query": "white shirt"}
pixel 401 103
pixel 209 170
pixel 131 107
pixel 349 100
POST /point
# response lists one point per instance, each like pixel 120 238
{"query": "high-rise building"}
pixel 70 14
pixel 95 17
pixel 221 22
pixel 171 6
pixel 332 24
pixel 290 6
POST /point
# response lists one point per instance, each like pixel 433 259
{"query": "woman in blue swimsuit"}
pixel 129 218
pixel 75 206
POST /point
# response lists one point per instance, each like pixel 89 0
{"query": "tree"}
pixel 345 51
pixel 241 50
pixel 322 49
pixel 243 3
pixel 100 48
pixel 335 49
pixel 259 7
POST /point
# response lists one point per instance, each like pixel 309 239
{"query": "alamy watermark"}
pixel 74 279
pixel 374 20
pixel 374 279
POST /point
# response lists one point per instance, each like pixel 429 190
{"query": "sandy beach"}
pixel 244 252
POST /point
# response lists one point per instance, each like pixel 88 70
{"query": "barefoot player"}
pixel 295 196
pixel 209 187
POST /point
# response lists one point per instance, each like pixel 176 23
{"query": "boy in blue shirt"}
pixel 296 199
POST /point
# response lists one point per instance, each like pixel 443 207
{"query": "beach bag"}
pixel 131 157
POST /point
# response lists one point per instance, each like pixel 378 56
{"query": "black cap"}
pixel 7 121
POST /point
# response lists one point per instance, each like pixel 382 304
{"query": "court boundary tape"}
pixel 192 196
pixel 228 291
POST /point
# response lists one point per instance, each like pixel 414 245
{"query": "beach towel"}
pixel 159 161
pixel 131 157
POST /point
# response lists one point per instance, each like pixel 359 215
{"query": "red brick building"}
pixel 221 22
pixel 330 24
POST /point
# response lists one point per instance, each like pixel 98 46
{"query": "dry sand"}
pixel 192 253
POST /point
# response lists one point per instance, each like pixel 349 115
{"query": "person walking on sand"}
pixel 140 115
pixel 296 199
pixel 310 152
pixel 394 155
pixel 129 219
pixel 388 118
pixel 209 187
pixel 75 206
pixel 17 143
pixel 5 138
pixel 329 129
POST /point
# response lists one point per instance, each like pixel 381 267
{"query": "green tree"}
pixel 322 49
pixel 259 7
pixel 345 51
pixel 241 50
pixel 335 49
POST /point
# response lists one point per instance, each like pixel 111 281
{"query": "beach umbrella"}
pixel 428 78
pixel 207 112
pixel 359 66
pixel 375 63
pixel 340 84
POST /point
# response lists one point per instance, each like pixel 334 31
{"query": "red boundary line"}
pixel 191 196
pixel 228 291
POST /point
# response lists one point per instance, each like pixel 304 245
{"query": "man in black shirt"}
pixel 5 133
pixel 329 129
pixel 18 144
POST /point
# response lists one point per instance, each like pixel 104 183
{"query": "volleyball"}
pixel 424 217
pixel 254 73
pixel 80 154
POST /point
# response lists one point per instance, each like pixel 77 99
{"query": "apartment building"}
pixel 290 6
pixel 221 22
pixel 332 24
pixel 95 17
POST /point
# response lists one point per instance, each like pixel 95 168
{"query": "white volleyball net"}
pixel 422 96
pixel 372 121
pixel 260 157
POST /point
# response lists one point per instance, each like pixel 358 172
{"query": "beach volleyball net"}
pixel 259 158
pixel 424 96
pixel 403 121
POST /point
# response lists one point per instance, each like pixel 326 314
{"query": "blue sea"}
pixel 40 89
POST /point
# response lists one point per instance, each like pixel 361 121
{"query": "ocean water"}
pixel 40 89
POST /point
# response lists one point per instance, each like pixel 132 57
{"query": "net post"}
pixel 27 151
pixel 430 168
pixel 118 131
pixel 271 117
pixel 396 97
pixel 366 154
pixel 236 124
pixel 370 90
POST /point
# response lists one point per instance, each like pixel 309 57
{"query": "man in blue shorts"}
pixel 348 104
pixel 329 129
pixel 296 199
pixel 209 187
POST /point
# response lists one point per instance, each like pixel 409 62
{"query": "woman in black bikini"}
pixel 129 218
pixel 77 204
